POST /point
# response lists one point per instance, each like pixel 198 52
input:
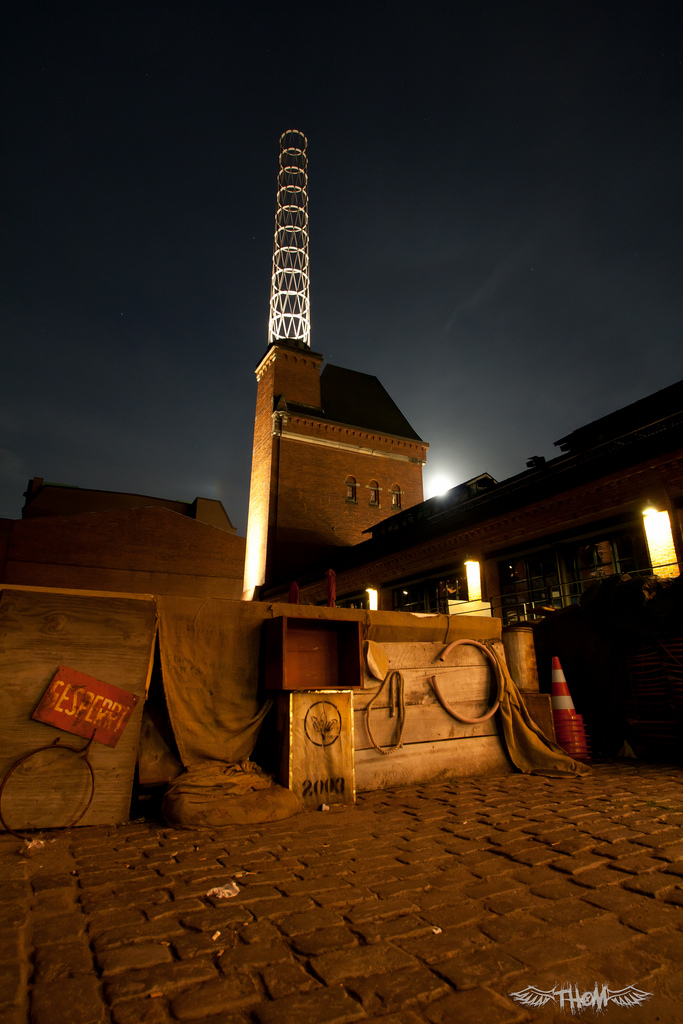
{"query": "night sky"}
pixel 495 208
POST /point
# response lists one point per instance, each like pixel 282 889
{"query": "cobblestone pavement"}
pixel 426 905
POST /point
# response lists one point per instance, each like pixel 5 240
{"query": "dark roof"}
pixel 51 499
pixel 432 508
pixel 646 429
pixel 639 416
pixel 359 399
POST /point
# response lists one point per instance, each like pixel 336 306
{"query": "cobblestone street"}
pixel 426 905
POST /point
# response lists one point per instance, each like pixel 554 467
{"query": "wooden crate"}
pixel 312 654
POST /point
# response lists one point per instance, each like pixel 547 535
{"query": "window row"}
pixel 351 485
pixel 533 584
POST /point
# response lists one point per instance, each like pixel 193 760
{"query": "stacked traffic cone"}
pixel 569 728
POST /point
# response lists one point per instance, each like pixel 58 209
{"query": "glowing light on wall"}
pixel 660 542
pixel 290 306
pixel 254 569
pixel 473 581
pixel 372 598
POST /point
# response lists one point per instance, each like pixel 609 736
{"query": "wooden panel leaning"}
pixel 108 637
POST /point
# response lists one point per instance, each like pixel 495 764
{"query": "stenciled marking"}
pixel 320 787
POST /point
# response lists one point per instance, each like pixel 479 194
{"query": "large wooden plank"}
pixel 434 744
pixel 109 638
pixel 469 690
pixel 422 724
pixel 426 654
pixel 404 626
pixel 423 763
pixel 456 685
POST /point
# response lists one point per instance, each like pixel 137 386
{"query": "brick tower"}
pixel 332 452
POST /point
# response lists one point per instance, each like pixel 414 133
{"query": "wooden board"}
pixel 317 745
pixel 109 638
pixel 467 689
pixel 422 724
pixel 425 655
pixel 434 745
pixel 459 684
pixel 423 763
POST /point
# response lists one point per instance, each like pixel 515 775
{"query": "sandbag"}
pixel 215 793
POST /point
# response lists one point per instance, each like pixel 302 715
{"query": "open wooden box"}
pixel 312 654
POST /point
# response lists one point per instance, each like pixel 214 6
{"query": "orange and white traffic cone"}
pixel 569 728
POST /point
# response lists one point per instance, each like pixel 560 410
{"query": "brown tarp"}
pixel 209 660
pixel 214 793
pixel 527 746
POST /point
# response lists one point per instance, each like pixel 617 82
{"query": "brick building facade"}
pixel 332 456
pixel 540 537
pixel 83 539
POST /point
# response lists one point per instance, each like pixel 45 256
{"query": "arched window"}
pixel 350 484
pixel 395 492
pixel 374 492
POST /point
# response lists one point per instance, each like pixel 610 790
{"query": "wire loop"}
pixel 79 752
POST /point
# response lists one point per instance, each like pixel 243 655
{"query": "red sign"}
pixel 82 705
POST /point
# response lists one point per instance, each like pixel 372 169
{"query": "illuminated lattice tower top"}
pixel 290 318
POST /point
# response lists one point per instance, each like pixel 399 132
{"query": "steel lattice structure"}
pixel 290 318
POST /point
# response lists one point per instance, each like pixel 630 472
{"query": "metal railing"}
pixel 535 603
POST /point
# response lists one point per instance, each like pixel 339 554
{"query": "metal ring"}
pixel 83 752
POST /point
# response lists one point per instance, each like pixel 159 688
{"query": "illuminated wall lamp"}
pixel 372 598
pixel 473 581
pixel 660 543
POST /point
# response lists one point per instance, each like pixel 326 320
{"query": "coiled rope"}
pixel 492 658
pixel 400 725
pixel 396 679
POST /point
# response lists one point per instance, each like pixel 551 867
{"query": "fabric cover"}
pixel 376 660
pixel 209 660
pixel 527 746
